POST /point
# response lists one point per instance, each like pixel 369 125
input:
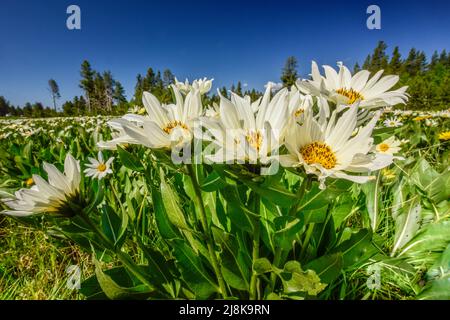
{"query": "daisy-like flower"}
pixel 444 135
pixel 98 168
pixel 246 131
pixel 392 123
pixel 202 85
pixel 343 88
pixel 389 146
pixel 165 126
pixel 54 196
pixel 329 148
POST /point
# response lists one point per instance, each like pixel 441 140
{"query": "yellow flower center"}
pixel 101 167
pixel 172 125
pixel 351 94
pixel 29 182
pixel 254 139
pixel 298 112
pixel 444 135
pixel 319 153
pixel 383 147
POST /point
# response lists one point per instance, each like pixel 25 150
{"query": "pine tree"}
pixel 410 65
pixel 379 58
pixel 395 64
pixel 434 59
pixel 4 106
pixel 168 78
pixel 356 68
pixel 239 88
pixel 87 82
pixel 290 74
pixel 367 62
pixel 119 93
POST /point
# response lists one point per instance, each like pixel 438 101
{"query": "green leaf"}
pixel 170 201
pixel 287 229
pixel 262 265
pixel 193 271
pixel 235 263
pixel 357 249
pixel 406 224
pixel 112 289
pixel 111 224
pixel 129 160
pixel 238 214
pixel 371 190
pixel 213 182
pixel 438 276
pixel 327 267
pixel 274 193
pixel 164 226
pixel 295 280
pixel 434 237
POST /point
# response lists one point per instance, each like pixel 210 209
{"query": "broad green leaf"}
pixel 112 289
pixel 274 193
pixel 193 271
pixel 433 237
pixel 213 182
pixel 406 224
pixel 111 224
pixel 327 267
pixel 235 264
pixel 357 249
pixel 371 190
pixel 164 226
pixel 287 229
pixel 170 201
pixel 129 160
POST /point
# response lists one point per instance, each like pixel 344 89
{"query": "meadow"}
pixel 140 226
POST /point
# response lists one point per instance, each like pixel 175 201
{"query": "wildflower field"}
pixel 329 189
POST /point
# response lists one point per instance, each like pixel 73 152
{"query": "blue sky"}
pixel 228 40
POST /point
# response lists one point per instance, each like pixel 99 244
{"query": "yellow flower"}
pixel 388 174
pixel 444 135
pixel 420 118
pixel 29 182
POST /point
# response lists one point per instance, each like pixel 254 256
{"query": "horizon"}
pixel 224 42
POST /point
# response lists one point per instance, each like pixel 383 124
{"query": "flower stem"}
pixel 207 231
pixel 255 252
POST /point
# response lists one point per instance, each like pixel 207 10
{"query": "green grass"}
pixel 33 266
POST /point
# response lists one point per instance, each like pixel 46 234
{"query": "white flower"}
pixel 52 196
pixel 98 168
pixel 165 126
pixel 329 148
pixel 392 123
pixel 202 85
pixel 247 131
pixel 389 146
pixel 343 88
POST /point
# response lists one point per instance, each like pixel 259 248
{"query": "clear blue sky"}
pixel 228 40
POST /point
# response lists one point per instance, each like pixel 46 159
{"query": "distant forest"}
pixel 428 81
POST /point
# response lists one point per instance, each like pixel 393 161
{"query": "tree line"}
pixel 428 81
